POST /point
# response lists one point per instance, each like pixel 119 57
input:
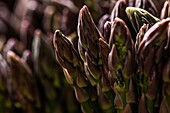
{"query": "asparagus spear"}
pixel 140 16
pixel 119 11
pixel 91 50
pixel 121 64
pixel 153 53
pixel 24 84
pixel 68 58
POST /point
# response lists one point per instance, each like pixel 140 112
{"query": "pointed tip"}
pixel 57 33
pixel 80 93
pixel 16 62
pixel 68 77
pixel 129 9
pixel 83 9
pixel 37 32
pixel 117 19
pixel 11 56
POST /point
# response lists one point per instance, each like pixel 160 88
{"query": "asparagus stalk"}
pixel 93 55
pixel 121 64
pixel 152 57
pixel 24 84
pixel 68 58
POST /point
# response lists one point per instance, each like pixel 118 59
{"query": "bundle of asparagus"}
pixel 124 66
pixel 120 67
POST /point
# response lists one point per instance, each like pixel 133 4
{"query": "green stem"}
pixel 126 84
pixel 96 106
pixel 134 107
pixel 110 110
pixel 144 84
pixel 123 97
pixel 87 106
pixel 119 110
pixel 150 104
pixel 168 100
pixel 110 95
pixel 2 101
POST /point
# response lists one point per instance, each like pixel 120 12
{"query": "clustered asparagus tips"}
pixel 120 66
pixel 153 56
pixel 125 76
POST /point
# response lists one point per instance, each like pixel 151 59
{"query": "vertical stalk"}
pixel 150 104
